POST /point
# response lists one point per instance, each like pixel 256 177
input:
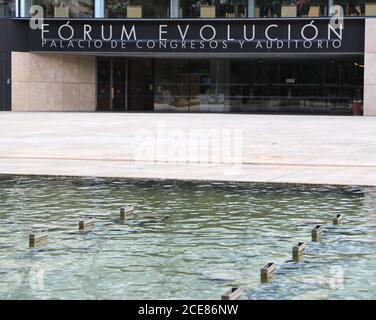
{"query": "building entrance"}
pixel 320 86
pixel 125 85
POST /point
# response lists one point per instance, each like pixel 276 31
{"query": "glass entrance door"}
pixel 111 84
pixel 119 85
pixel 141 85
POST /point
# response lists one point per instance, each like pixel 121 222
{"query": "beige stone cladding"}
pixel 53 82
pixel 370 68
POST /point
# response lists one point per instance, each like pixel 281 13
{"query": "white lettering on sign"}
pixel 189 37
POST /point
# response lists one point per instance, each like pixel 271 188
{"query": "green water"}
pixel 187 240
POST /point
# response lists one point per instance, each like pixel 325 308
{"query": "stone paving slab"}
pixel 270 148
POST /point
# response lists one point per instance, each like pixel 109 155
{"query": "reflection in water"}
pixel 189 240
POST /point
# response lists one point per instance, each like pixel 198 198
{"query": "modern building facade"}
pixel 188 56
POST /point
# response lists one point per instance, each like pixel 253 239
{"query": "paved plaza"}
pixel 236 147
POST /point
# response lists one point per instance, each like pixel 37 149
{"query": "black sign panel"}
pixel 240 36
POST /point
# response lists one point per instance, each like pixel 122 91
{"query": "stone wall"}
pixel 370 68
pixel 53 82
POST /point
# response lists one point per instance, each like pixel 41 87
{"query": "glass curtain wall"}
pixel 293 86
pixel 137 8
pixel 367 7
pixel 213 8
pixel 243 85
pixel 357 7
pixel 191 8
pixel 63 8
pixel 191 85
pixel 7 8
pixel 349 7
pixel 294 8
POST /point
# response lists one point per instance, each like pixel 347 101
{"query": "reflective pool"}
pixel 188 240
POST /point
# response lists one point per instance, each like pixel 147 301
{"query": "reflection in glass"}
pixel 293 86
pixel 348 6
pixel 287 8
pixel 7 8
pixel 233 9
pixel 136 8
pixel 268 8
pixel 118 84
pixel 213 8
pixel 367 7
pixel 63 8
pixel 197 9
pixel 318 8
pixel 140 85
pixel 222 85
pixel 190 85
pixel 104 85
pixel 357 7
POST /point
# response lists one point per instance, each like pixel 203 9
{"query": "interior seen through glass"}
pixel 229 85
pixel 158 9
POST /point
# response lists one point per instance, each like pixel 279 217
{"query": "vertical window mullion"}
pixel 17 12
pixel 174 8
pixel 251 8
pixel 99 8
pixel 330 4
pixel 21 8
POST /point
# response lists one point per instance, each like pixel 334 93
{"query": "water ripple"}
pixel 187 240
